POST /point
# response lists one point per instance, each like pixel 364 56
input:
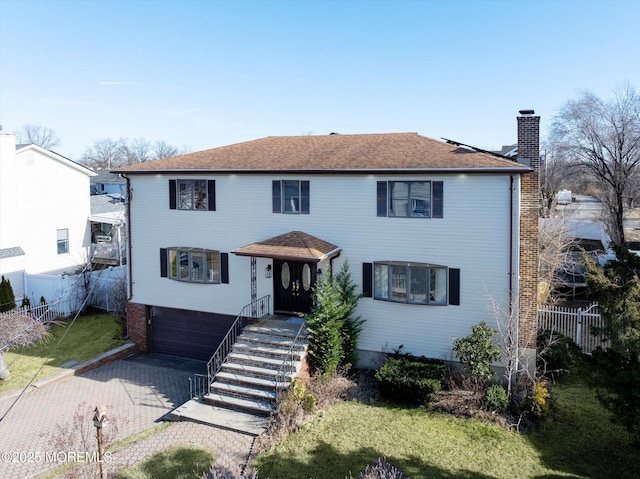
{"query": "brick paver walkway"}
pixel 138 392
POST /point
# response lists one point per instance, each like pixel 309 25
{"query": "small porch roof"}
pixel 295 245
pixel 109 217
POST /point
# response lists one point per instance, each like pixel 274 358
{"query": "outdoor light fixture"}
pixel 267 271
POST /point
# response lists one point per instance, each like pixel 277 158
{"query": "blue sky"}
pixel 201 74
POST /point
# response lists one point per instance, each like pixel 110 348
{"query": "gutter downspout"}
pixel 129 268
pixel 514 304
pixel 511 245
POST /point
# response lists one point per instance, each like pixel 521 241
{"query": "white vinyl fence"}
pixel 574 323
pixel 105 289
pixel 42 312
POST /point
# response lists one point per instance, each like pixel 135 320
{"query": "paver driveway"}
pixel 138 392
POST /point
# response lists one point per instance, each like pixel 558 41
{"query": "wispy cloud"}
pixel 177 111
pixel 118 83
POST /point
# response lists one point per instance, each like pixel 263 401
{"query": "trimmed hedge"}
pixel 410 380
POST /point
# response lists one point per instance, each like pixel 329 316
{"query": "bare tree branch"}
pixel 37 135
pixel 604 138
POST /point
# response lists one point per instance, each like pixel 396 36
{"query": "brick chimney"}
pixel 528 154
pixel 529 139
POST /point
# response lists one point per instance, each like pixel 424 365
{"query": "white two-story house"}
pixel 433 233
pixel 44 211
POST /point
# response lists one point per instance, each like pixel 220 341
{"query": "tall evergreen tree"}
pixel 7 299
pixel 615 371
pixel 333 332
pixel 351 326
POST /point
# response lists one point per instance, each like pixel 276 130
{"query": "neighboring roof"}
pixel 11 252
pixel 106 177
pixel 295 245
pixel 111 218
pixel 55 156
pixel 383 152
pixel 510 151
pixel 106 203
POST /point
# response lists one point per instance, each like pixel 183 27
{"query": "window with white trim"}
pixel 62 237
pixel 290 196
pixel 410 199
pixel 192 194
pixel 416 283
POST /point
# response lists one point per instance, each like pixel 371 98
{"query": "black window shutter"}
pixel 276 196
pixel 367 283
pixel 211 194
pixel 438 199
pixel 163 262
pixel 382 198
pixel 172 194
pixel 454 286
pixel 224 268
pixel 304 197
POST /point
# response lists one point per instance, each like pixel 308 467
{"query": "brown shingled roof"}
pixel 330 153
pixel 295 245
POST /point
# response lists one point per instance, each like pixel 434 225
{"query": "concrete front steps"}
pixel 247 380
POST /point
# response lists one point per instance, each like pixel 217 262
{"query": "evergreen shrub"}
pixel 410 380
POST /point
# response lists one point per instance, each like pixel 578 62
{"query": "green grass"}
pixel 577 442
pixel 86 337
pixel 579 437
pixel 180 462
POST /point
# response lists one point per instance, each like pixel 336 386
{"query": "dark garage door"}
pixel 191 334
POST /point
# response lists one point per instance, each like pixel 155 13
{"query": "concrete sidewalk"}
pixel 138 391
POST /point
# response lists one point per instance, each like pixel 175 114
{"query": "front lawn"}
pixel 577 441
pixel 85 338
pixel 180 462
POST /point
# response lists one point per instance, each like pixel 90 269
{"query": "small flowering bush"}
pixel 538 401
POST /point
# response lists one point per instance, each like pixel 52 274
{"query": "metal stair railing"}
pixel 198 386
pixel 289 361
pixel 253 311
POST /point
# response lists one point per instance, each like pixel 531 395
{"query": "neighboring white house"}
pixel 431 231
pixel 44 212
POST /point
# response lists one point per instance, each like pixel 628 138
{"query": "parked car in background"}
pixel 564 197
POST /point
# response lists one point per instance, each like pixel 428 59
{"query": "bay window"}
pixel 194 265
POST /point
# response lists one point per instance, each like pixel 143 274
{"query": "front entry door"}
pixel 293 281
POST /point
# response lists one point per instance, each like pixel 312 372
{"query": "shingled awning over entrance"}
pixel 295 245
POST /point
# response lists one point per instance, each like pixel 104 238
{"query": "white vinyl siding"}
pixel 473 236
pixel 42 215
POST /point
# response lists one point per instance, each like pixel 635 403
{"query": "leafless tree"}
pixel 137 151
pixel 553 176
pixel 162 149
pixel 78 434
pixel 37 135
pixel 18 329
pixel 105 153
pixel 558 256
pixel 108 153
pixel 604 138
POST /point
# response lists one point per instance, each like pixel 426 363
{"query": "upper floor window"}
pixel 62 241
pixel 290 196
pixel 416 199
pixel 192 195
